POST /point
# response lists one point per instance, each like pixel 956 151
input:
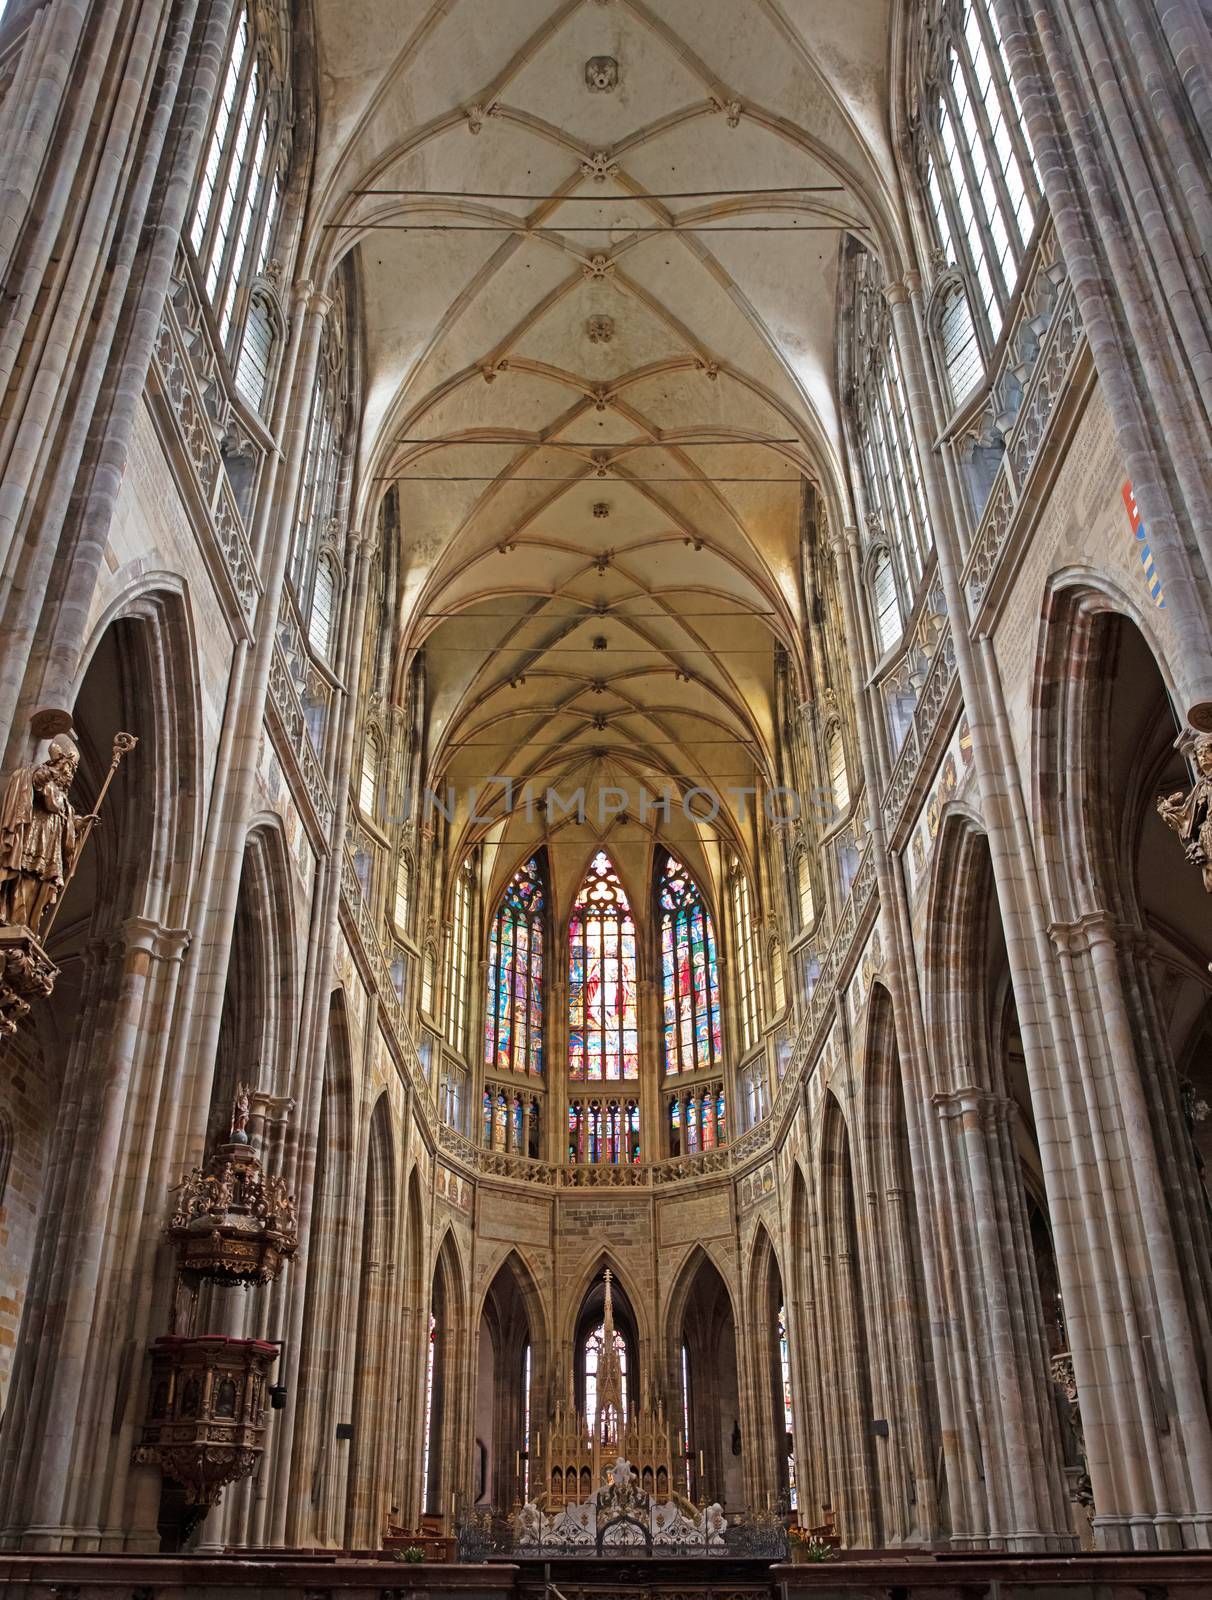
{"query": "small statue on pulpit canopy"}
pixel 239 1115
pixel 1190 815
pixel 40 837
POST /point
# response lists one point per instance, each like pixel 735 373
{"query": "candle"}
pixel 700 1463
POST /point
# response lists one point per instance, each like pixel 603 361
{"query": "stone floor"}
pixel 338 1576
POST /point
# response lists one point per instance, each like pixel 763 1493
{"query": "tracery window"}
pixel 458 960
pixel 403 893
pixel 511 1121
pixel 514 1013
pixel 368 785
pixel 746 964
pixel 788 1415
pixel 525 1450
pixel 778 976
pixel 973 154
pixel 839 778
pixel 687 1442
pixel 605 1130
pixel 697 1121
pixel 884 602
pixel 315 556
pixel 897 519
pixel 803 884
pixel 690 985
pixel 240 191
pixel 603 1026
pixel 430 1352
pixel 591 1358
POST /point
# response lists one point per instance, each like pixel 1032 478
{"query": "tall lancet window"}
pixel 690 985
pixel 514 1011
pixel 973 153
pixel 240 192
pixel 788 1414
pixel 603 1026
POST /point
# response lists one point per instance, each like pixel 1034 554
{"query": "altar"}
pixel 621 1517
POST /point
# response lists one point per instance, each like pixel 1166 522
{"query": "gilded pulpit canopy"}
pixel 1190 815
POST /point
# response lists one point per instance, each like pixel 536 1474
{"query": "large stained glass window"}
pixel 603 1030
pixel 690 986
pixel 514 1014
pixel 788 1418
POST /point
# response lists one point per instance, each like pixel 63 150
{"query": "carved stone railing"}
pixel 940 675
pixel 820 1008
pixel 183 378
pixel 225 542
pixel 1061 337
pixel 390 1007
pixel 285 704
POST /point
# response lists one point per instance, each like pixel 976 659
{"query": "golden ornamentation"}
pixel 205 1421
pixel 232 1222
pixel 1190 815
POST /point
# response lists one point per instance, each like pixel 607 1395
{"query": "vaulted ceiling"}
pixel 599 246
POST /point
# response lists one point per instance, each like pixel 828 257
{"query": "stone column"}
pixel 1124 181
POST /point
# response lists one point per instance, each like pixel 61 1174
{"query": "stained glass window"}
pixel 429 1355
pixel 606 1131
pixel 513 1027
pixel 788 1418
pixel 687 1442
pixel 603 1030
pixel 690 985
pixel 595 1343
pixel 526 1424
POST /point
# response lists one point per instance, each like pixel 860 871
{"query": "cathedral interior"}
pixel 606 845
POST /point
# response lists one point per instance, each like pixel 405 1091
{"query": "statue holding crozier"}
pixel 41 839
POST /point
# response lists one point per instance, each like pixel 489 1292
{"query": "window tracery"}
pixel 458 959
pixel 514 1013
pixel 746 966
pixel 603 1025
pixel 898 522
pixel 974 162
pixel 690 986
pixel 238 200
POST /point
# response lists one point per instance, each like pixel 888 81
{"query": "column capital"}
pixel 1091 928
pixel 306 297
pixel 897 293
pixel 154 939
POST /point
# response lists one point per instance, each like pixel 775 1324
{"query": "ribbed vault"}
pixel 601 422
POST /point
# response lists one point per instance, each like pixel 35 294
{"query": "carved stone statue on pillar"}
pixel 41 837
